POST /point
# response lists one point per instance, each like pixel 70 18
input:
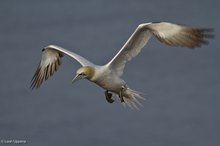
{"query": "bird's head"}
pixel 85 72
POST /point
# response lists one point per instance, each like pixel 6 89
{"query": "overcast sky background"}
pixel 182 86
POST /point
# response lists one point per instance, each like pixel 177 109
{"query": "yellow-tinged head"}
pixel 84 72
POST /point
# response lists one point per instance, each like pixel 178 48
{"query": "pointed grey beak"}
pixel 76 78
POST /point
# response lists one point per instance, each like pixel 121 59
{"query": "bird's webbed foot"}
pixel 121 93
pixel 108 97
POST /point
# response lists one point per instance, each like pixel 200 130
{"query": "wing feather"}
pixel 180 35
pixel 167 33
pixel 130 49
pixel 50 62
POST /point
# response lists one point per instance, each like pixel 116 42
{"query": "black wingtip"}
pixel 208 33
pixel 33 83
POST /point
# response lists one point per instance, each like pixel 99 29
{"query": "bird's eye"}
pixel 82 74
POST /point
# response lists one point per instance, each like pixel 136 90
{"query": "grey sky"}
pixel 181 85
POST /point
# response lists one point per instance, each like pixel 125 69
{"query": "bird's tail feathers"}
pixel 131 99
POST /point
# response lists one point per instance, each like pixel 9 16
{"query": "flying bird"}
pixel 108 76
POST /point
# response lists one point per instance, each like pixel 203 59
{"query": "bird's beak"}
pixel 76 78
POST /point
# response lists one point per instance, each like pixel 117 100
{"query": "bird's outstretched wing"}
pixel 167 33
pixel 50 61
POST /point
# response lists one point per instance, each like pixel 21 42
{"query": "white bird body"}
pixel 108 76
pixel 107 79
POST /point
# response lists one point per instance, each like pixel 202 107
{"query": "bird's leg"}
pixel 121 93
pixel 121 96
pixel 108 97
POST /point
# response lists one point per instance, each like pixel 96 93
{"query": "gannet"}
pixel 108 76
